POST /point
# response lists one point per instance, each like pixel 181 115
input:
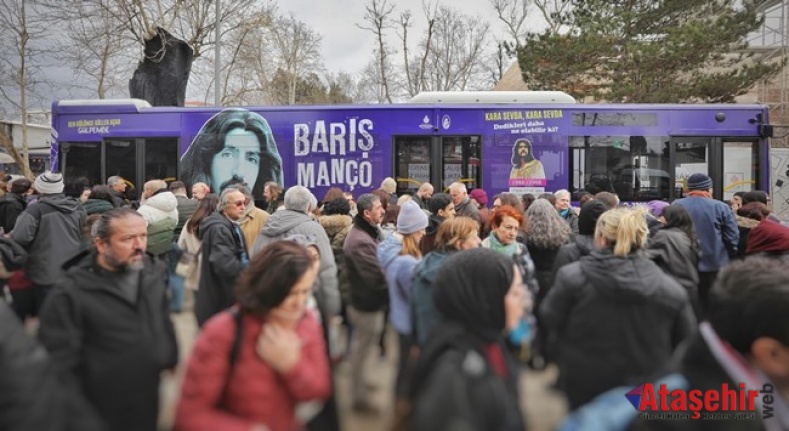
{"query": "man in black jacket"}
pixel 107 327
pixel 224 255
pixel 13 203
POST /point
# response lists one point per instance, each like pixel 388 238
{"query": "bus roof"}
pixel 493 97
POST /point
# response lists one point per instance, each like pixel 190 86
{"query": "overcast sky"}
pixel 348 48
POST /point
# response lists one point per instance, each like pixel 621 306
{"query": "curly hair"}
pixel 337 206
pixel 547 230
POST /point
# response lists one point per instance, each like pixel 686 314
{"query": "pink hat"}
pixel 479 195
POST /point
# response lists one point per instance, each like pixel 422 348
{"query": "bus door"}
pixel 440 160
pixel 731 163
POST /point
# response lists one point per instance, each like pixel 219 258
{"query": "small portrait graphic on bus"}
pixel 524 165
pixel 233 146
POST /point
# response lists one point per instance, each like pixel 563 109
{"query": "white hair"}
pixel 458 186
pixel 561 192
pixel 299 198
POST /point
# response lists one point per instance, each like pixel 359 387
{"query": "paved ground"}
pixel 544 408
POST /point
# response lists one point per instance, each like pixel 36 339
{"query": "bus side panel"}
pixel 524 147
pixel 317 148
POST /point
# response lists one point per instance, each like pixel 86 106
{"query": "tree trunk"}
pixel 162 75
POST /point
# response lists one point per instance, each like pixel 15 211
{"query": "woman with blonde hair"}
pixel 616 315
pixel 399 253
pixel 453 235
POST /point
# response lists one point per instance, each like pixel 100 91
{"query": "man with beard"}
pixel 524 165
pixel 107 327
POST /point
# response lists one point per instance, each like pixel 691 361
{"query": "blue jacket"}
pixel 399 271
pixel 425 314
pixel 716 228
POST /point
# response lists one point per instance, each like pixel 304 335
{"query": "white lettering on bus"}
pixel 335 172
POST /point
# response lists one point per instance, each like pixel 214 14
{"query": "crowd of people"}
pixel 285 287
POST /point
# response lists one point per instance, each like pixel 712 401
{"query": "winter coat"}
pixel 337 227
pixel 467 209
pixel 252 224
pixel 161 213
pixel 365 277
pixel 543 262
pixel 32 397
pixel 428 242
pixel 456 387
pixel 425 315
pixel 578 247
pixel 97 206
pixel 769 237
pixel 716 229
pixel 616 319
pixel 11 206
pixel 186 207
pixel 284 223
pixel 572 220
pixel 255 392
pixel 107 349
pixel 678 257
pixel 399 271
pixel 744 226
pixel 190 243
pixel 220 266
pixel 51 232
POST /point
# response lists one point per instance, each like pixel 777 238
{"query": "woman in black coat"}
pixel 617 317
pixel 465 378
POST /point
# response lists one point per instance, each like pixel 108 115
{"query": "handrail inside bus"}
pixel 493 97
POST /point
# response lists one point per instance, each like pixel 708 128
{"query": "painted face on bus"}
pixel 240 158
pixel 523 149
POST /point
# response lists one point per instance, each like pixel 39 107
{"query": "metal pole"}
pixel 217 60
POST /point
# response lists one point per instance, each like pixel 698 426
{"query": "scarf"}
pixel 364 225
pixel 508 249
pixel 699 194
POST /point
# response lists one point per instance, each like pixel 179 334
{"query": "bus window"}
pixel 740 160
pixel 412 162
pixel 120 158
pixel 81 159
pixel 634 167
pixel 461 161
pixel 691 156
pixel 161 159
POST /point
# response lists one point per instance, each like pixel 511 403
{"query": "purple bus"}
pixel 530 142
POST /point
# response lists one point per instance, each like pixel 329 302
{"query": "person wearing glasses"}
pixel 224 255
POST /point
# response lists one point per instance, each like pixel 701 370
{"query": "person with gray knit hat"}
pixel 51 232
pixel 716 228
pixel 399 253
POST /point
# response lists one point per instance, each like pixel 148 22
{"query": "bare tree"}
pixel 513 14
pixel 553 11
pixel 456 51
pixel 378 19
pixel 415 72
pixel 297 51
pixel 19 28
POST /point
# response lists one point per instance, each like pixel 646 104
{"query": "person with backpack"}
pixel 253 364
pixel 51 233
pixel 13 203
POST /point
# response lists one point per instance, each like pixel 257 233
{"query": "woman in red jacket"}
pixel 279 360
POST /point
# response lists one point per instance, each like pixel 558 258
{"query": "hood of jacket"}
pixel 585 244
pixel 389 249
pixel 623 279
pixel 283 221
pixel 212 220
pixel 60 202
pixel 430 264
pixel 433 224
pixel 164 201
pixel 335 223
pixel 746 222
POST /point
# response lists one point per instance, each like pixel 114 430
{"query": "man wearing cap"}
pixel 716 228
pixel 50 231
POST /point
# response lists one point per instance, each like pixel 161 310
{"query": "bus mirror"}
pixel 766 130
